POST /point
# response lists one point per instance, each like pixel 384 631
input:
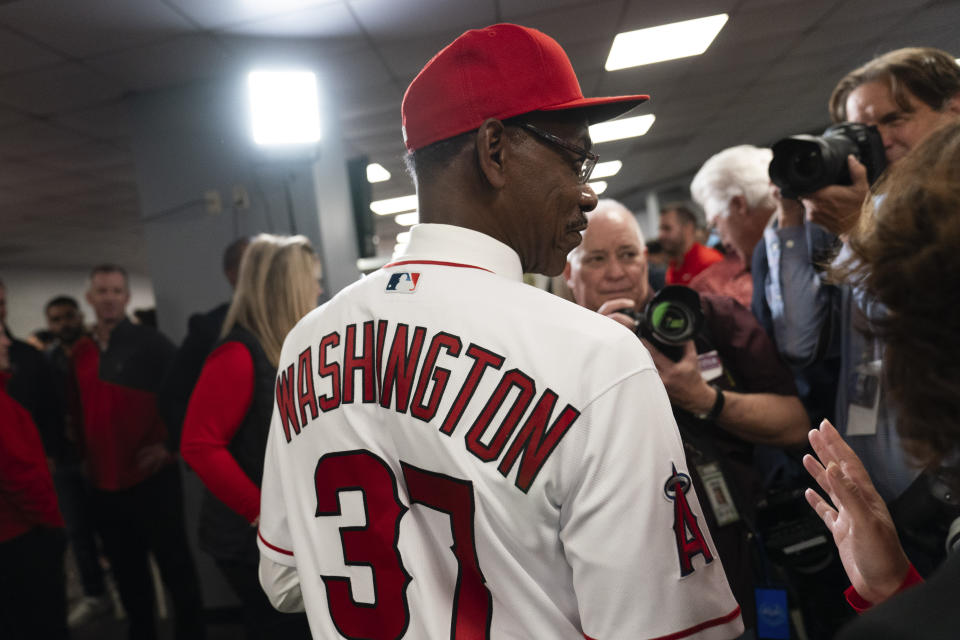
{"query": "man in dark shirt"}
pixel 65 323
pixel 138 502
pixel 203 332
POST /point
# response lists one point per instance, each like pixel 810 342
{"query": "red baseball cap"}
pixel 499 72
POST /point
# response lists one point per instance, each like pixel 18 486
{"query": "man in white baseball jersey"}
pixel 455 454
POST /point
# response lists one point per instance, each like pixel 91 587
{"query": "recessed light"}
pixel 666 42
pixel 407 219
pixel 606 169
pixel 394 205
pixel 598 187
pixel 376 173
pixel 621 128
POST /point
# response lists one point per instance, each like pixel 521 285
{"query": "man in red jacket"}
pixel 137 495
pixel 32 591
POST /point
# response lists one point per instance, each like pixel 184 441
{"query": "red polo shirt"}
pixel 696 260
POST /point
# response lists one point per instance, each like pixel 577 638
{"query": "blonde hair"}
pixel 276 287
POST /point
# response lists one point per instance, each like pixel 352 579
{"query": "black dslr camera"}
pixel 803 164
pixel 672 317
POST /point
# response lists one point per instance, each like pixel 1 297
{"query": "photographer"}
pixel 906 94
pixel 914 230
pixel 728 390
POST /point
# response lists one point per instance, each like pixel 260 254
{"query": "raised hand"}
pixel 858 519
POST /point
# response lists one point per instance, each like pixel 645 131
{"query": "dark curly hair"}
pixel 908 258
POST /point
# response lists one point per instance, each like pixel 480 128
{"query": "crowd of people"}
pixel 757 439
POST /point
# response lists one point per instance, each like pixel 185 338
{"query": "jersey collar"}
pixel 460 246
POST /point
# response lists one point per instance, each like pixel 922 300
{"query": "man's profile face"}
pixel 671 234
pixel 611 263
pixel 549 202
pixel 872 103
pixel 66 322
pixel 108 295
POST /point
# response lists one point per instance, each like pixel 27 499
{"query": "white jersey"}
pixel 456 454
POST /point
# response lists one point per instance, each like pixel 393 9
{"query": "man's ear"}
pixel 492 151
pixel 566 273
pixel 953 104
pixel 89 296
pixel 738 206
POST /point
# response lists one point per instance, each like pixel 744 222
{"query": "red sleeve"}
pixel 25 481
pixel 860 604
pixel 219 403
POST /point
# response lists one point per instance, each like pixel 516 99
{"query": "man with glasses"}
pixel 471 456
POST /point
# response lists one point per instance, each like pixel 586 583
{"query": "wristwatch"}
pixel 716 409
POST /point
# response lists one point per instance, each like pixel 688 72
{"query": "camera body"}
pixel 803 164
pixel 672 317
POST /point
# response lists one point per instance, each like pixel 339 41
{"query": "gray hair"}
pixel 737 171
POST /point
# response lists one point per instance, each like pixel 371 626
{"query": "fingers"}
pixel 616 304
pixel 858 172
pixel 824 510
pixel 625 320
pixel 840 452
pixel 848 496
pixel 658 358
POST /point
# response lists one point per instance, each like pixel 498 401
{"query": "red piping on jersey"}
pixel 272 546
pixel 435 262
pixel 700 627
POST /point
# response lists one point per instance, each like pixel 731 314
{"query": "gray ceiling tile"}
pixel 107 121
pixel 64 87
pixel 219 14
pixel 328 20
pixel 84 28
pixel 414 18
pixel 18 54
pixel 169 63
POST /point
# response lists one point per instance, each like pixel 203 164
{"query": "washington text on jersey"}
pixel 390 376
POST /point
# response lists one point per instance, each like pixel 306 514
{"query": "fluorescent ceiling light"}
pixel 407 219
pixel 598 187
pixel 376 173
pixel 606 169
pixel 666 42
pixel 621 128
pixel 394 205
pixel 284 107
pixel 403 237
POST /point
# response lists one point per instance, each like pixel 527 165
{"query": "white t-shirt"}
pixel 456 454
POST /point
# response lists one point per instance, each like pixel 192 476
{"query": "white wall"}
pixel 29 290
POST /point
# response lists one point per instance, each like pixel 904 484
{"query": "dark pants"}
pixel 33 599
pixel 260 620
pixel 149 518
pixel 73 494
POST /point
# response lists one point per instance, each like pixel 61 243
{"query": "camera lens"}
pixel 671 322
pixel 806 164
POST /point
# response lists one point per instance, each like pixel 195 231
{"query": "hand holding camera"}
pixel 830 174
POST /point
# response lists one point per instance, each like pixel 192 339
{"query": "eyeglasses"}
pixel 588 159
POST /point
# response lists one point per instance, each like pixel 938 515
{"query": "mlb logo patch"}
pixel 403 282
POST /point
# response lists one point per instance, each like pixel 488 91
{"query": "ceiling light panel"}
pixel 666 42
pixel 621 128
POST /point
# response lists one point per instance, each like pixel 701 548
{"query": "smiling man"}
pixel 441 400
